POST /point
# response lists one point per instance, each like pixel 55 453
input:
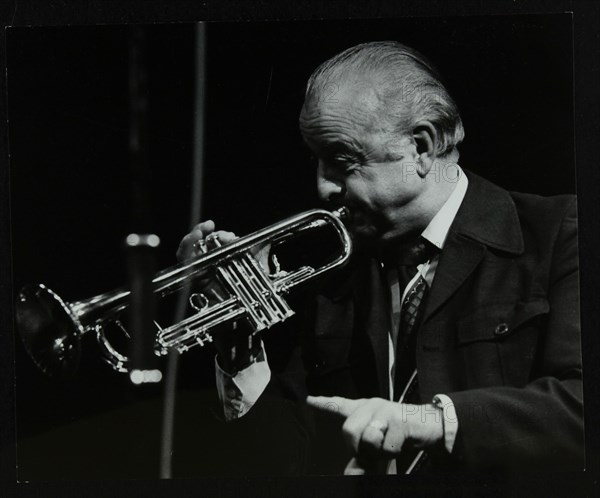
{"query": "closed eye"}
pixel 344 164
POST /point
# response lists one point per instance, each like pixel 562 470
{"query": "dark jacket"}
pixel 500 336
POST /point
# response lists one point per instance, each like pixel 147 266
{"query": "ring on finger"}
pixel 379 425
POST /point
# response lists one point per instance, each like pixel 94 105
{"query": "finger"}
pixel 354 469
pixel 372 438
pixel 225 237
pixel 334 404
pixel 186 247
pixel 355 425
pixel 261 254
pixel 394 439
pixel 202 231
pixel 205 228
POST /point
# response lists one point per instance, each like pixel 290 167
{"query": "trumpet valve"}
pixel 200 247
pixel 198 301
pixel 213 240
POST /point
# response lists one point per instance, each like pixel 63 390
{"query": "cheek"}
pixel 384 195
pixel 357 190
pixel 396 189
pixel 369 197
pixel 377 192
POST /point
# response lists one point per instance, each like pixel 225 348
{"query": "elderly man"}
pixel 451 340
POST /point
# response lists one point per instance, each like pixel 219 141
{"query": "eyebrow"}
pixel 333 148
pixel 330 148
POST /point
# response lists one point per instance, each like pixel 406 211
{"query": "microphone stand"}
pixel 195 217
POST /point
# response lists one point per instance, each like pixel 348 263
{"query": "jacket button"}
pixel 501 329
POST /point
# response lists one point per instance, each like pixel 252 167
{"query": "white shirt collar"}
pixel 437 230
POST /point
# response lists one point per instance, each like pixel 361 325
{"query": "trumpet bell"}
pixel 49 330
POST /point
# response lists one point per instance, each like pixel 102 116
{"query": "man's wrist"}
pixel 450 421
pixel 238 393
pixel 425 425
pixel 237 352
pixel 234 364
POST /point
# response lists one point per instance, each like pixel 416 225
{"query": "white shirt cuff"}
pixel 239 393
pixel 449 419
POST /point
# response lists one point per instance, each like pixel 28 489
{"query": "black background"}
pixel 70 177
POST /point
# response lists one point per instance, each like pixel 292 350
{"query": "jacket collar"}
pixel 488 215
pixel 487 218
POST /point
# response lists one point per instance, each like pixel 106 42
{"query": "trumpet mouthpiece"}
pixel 341 213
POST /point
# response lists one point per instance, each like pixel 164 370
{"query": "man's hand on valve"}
pixel 191 245
pixel 237 347
pixel 377 429
pixel 195 243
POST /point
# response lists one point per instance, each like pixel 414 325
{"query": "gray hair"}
pixel 412 88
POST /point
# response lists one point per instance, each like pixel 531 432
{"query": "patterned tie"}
pixel 405 359
pixel 411 312
pixel 412 307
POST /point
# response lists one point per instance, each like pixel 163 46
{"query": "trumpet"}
pixel 51 328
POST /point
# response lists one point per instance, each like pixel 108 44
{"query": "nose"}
pixel 330 188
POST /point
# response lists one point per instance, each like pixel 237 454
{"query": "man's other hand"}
pixel 378 429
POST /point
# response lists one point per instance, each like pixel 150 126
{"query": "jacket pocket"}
pixel 498 342
pixel 500 320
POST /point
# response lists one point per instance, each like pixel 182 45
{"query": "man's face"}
pixel 362 163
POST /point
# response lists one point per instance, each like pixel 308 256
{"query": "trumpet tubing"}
pixel 51 327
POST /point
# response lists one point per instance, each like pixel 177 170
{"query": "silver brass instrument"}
pixel 51 327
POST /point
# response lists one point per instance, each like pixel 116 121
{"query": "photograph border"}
pixel 586 16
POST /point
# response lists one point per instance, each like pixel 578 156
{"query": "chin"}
pixel 362 230
pixel 365 236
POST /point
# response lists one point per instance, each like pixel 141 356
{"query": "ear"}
pixel 425 137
